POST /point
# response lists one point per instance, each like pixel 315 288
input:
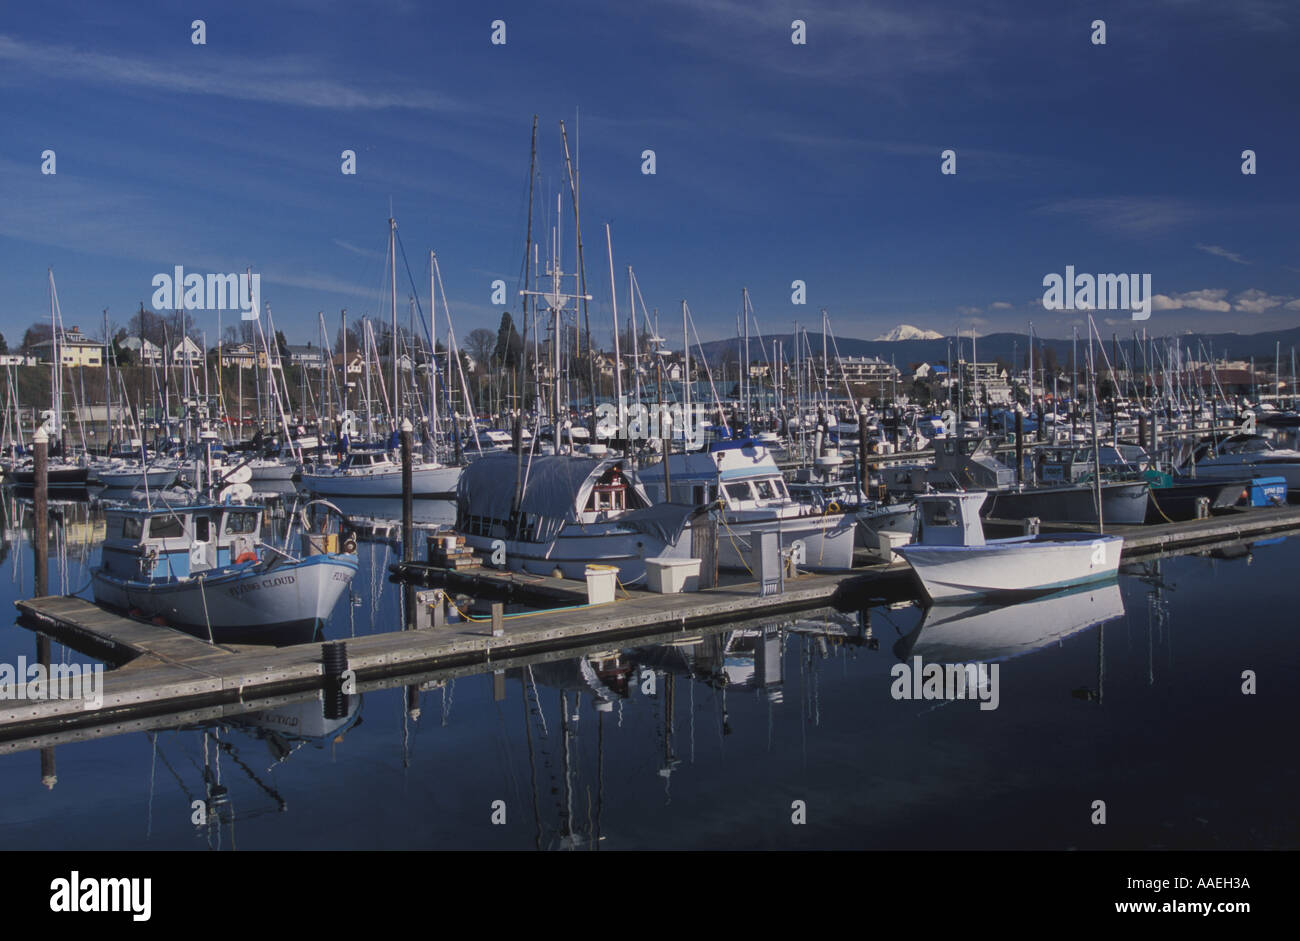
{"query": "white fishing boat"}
pixel 376 474
pixel 1248 455
pixel 741 477
pixel 572 512
pixel 826 487
pixel 204 569
pixel 953 560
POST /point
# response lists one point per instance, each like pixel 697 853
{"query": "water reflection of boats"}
pixel 287 728
pixel 284 729
pixel 974 633
pixel 605 678
pixel 380 519
pixel 747 658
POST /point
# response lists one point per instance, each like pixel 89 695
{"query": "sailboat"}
pixel 371 471
pixel 62 475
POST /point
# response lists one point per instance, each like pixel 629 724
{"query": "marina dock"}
pixel 163 671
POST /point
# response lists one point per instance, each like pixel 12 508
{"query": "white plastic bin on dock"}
pixel 601 580
pixel 886 542
pixel 670 576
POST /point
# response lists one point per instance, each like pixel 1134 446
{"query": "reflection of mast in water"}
pixel 604 677
pixel 1157 618
pixel 670 760
pixel 284 729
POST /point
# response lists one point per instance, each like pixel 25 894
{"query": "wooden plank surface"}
pixel 170 668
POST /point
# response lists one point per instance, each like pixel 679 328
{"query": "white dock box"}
pixel 601 580
pixel 886 542
pixel 670 576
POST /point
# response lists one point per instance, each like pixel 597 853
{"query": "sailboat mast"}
pixel 618 360
pixel 392 346
pixel 518 434
pixel 686 376
pixel 745 365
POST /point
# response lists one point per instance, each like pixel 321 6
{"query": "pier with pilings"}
pixel 155 670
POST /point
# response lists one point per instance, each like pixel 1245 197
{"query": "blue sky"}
pixel 775 162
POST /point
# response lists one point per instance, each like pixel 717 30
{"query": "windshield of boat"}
pixel 941 513
pixel 166 527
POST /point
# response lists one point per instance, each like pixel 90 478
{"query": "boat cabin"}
pixel 950 519
pixel 178 542
pixel 969 462
pixel 1067 465
pixel 558 490
pixel 366 461
pixel 1242 444
pixel 608 494
pixel 741 473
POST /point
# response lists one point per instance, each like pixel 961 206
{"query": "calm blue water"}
pixel 708 744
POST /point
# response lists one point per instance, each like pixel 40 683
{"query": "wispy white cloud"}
pixel 1222 253
pixel 356 250
pixel 1130 215
pixel 282 80
pixel 318 282
pixel 844 42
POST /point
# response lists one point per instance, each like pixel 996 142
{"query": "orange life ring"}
pixel 248 556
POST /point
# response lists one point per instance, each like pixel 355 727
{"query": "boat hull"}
pixel 131 478
pixel 272 470
pixel 1178 501
pixel 438 483
pixel 286 603
pixel 1011 569
pixel 1122 503
pixel 57 478
pixel 828 541
pixel 577 547
pixel 1227 467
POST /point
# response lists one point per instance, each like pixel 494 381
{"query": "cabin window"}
pixel 131 527
pixel 241 523
pixel 166 527
pixel 765 491
pixel 202 525
pixel 739 491
pixel 698 494
pixel 610 492
pixel 942 513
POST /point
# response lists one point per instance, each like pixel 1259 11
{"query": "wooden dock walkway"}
pixel 163 671
pixel 167 670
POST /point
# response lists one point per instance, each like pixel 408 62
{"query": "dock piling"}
pixel 41 511
pixel 408 510
pixel 704 546
pixel 1020 447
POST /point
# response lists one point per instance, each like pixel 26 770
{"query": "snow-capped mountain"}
pixel 905 331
